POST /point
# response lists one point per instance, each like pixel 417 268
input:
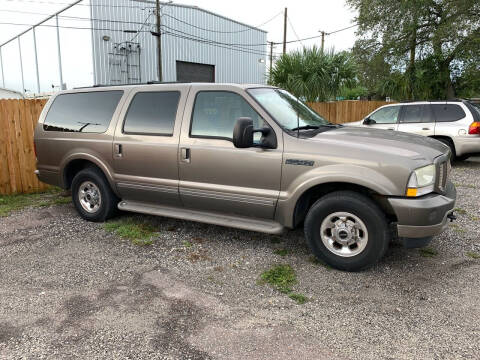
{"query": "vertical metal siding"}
pixel 234 63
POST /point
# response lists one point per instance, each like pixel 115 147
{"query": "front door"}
pixel 146 145
pixel 214 175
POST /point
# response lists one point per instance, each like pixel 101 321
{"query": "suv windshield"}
pixel 287 110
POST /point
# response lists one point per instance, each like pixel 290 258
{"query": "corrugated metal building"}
pixel 197 45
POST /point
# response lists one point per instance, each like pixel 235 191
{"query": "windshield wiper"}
pixel 314 127
pixel 305 127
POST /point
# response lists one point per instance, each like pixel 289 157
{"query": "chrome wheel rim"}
pixel 89 197
pixel 344 234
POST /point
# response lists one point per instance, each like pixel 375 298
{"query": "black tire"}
pixel 109 201
pixel 462 157
pixel 450 144
pixel 364 209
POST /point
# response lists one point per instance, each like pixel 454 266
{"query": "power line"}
pixel 75 17
pixel 294 32
pixel 317 36
pixel 44 2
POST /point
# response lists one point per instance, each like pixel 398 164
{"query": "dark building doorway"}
pixel 194 72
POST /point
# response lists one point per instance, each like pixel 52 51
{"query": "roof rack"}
pixel 136 84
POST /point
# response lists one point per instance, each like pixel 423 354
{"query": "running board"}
pixel 209 217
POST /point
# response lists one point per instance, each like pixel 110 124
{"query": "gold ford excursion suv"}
pixel 246 156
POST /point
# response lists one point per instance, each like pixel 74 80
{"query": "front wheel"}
pixel 347 230
pixel 92 196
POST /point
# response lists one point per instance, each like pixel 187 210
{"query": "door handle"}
pixel 185 155
pixel 391 129
pixel 426 129
pixel 118 150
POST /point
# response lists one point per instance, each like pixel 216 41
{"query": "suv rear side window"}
pixel 152 113
pixel 416 114
pixel 215 114
pixel 89 112
pixel 386 115
pixel 448 112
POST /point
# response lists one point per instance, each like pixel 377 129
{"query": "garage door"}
pixel 194 72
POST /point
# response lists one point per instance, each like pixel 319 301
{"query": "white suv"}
pixel 455 123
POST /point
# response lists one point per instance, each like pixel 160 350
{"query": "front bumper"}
pixel 424 216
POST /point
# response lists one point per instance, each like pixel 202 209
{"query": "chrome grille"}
pixel 443 174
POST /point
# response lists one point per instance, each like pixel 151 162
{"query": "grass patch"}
pixel 473 255
pixel 139 233
pixel 281 252
pixel 428 252
pixel 10 203
pixel 275 240
pixel 282 278
pixel 187 244
pixel 299 298
pixel 457 228
pixel 460 211
pixel 469 186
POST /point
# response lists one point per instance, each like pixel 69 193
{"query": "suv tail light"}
pixel 474 128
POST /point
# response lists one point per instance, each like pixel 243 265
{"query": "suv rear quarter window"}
pixel 152 113
pixel 448 112
pixel 88 112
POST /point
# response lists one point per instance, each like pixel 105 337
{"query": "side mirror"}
pixel 369 121
pixel 243 133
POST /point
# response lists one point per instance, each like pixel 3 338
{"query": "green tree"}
pixel 417 36
pixel 314 75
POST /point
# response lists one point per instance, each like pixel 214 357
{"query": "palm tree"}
pixel 314 75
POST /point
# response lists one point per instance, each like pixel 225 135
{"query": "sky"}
pixel 306 19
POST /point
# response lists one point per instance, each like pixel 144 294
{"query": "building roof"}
pixel 203 10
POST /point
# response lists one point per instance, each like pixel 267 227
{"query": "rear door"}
pixel 385 118
pixel 214 174
pixel 146 145
pixel 417 119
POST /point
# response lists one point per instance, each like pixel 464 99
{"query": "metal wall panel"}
pixel 186 36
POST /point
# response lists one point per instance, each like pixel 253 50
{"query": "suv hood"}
pixel 390 142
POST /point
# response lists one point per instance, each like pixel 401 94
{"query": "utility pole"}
pixel 323 40
pixel 271 54
pixel 285 32
pixel 159 42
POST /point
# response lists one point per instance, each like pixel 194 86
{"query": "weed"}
pixel 9 203
pixel 427 252
pixel 187 244
pixel 460 211
pixel 275 240
pixel 473 255
pixel 457 228
pixel 299 298
pixel 281 252
pixel 282 277
pixel 139 233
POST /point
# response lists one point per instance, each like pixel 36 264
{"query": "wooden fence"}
pixel 18 119
pixel 339 112
pixel 17 157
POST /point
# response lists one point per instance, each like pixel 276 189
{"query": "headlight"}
pixel 421 182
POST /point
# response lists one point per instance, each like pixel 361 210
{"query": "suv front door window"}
pixel 385 118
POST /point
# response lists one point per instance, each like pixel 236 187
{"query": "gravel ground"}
pixel 69 289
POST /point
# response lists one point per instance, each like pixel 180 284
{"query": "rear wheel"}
pixel 92 196
pixel 347 230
